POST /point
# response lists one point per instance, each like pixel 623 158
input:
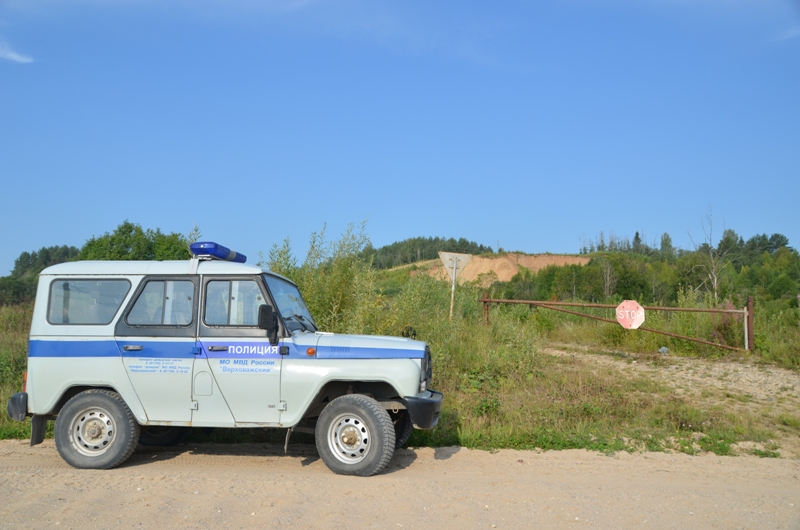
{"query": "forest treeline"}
pixel 418 249
pixel 762 266
pixel 129 241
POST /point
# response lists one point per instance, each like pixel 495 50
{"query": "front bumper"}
pixel 424 409
pixel 18 406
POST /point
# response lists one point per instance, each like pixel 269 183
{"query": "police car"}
pixel 127 352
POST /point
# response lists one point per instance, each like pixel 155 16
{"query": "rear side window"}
pixel 86 302
pixel 163 303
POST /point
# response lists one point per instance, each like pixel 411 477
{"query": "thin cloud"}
pixel 790 34
pixel 10 55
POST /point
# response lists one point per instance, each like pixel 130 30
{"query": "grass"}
pixel 502 391
pixel 791 421
pixel 15 322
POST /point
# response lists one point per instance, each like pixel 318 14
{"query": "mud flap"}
pixel 38 429
pixel 18 406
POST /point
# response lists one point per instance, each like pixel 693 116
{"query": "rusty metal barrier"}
pixel 747 314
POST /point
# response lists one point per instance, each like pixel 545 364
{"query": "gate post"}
pixel 485 309
pixel 750 319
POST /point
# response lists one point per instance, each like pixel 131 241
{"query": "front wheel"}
pixel 402 428
pixel 355 436
pixel 96 430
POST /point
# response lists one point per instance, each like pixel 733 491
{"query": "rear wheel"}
pixel 96 430
pixel 355 436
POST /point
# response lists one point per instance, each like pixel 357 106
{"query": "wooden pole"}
pixel 750 320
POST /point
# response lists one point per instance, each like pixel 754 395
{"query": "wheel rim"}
pixel 349 438
pixel 92 431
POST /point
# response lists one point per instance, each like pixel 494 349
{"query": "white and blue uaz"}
pixel 131 352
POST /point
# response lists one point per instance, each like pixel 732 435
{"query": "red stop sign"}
pixel 630 314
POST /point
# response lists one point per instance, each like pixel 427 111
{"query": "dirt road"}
pixel 257 486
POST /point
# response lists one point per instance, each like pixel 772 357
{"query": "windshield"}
pixel 290 304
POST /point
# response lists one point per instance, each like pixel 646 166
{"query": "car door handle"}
pixel 217 348
pixel 132 347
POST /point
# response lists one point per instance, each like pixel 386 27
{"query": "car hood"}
pixel 336 346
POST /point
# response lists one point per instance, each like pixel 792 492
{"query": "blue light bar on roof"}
pixel 215 250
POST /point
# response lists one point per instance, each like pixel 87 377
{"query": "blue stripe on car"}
pixel 110 348
pixel 349 352
pixel 179 350
pixel 73 348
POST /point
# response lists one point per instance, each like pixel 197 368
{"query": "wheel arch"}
pixel 378 390
pixel 72 391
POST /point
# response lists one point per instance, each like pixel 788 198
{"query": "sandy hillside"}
pixel 505 267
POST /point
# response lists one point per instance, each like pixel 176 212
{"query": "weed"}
pixel 487 407
pixel 717 444
pixel 765 454
pixel 789 421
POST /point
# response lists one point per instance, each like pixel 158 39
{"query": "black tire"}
pixel 355 436
pixel 162 435
pixel 96 430
pixel 402 428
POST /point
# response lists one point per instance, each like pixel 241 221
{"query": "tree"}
pixel 637 243
pixel 332 277
pixel 130 242
pixel 713 260
pixel 30 264
pixel 16 290
pixel 782 285
pixel 417 249
pixel 777 241
pixel 609 277
pixel 666 249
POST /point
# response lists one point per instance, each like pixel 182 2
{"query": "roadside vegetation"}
pixel 15 323
pixel 502 390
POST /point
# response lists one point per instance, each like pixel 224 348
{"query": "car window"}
pixel 290 304
pixel 93 302
pixel 163 303
pixel 232 303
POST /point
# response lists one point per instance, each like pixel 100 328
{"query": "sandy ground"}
pixel 257 486
pixel 503 267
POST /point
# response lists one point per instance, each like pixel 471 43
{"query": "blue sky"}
pixel 528 124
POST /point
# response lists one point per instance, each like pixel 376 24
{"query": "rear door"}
pixel 157 339
pixel 245 366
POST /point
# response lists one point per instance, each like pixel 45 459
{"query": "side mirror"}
pixel 268 321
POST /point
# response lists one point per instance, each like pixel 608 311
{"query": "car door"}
pixel 245 366
pixel 156 337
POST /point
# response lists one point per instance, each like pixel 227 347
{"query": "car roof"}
pixel 132 268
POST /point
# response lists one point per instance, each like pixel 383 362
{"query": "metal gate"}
pixel 747 314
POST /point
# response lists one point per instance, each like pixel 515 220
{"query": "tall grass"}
pixel 15 323
pixel 776 333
